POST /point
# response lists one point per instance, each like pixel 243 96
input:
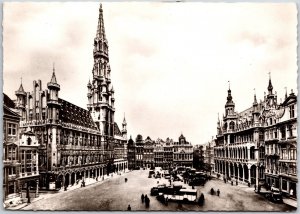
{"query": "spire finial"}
pixel 285 92
pixel 124 120
pixel 270 87
pixel 228 84
pixel 53 67
pixel 255 100
pixel 21 80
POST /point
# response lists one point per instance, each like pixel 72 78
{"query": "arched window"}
pixel 252 153
pixel 29 141
pixel 231 125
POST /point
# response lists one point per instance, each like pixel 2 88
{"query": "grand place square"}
pixel 201 141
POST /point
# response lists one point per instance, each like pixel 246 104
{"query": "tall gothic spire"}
pixel 53 78
pixel 100 29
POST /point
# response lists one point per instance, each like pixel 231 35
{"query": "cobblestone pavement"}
pixel 115 194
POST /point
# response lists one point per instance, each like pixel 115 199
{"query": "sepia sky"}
pixel 170 62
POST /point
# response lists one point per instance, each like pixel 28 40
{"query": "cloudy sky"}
pixel 170 62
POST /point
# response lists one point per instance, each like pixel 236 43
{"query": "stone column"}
pixel 249 175
pixel 256 176
pixel 20 189
pixel 248 151
pixel 70 175
pixel 37 189
pixel 243 174
pixel 63 181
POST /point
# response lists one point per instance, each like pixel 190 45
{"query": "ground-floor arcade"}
pixel 243 172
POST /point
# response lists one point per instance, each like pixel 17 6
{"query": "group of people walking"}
pixel 145 199
pixel 212 191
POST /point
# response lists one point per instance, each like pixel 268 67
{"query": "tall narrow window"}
pixel 292 111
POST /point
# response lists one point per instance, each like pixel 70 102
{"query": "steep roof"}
pixel 70 113
pixel 117 130
pixel 8 102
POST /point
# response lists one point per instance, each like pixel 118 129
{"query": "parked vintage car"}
pixel 274 196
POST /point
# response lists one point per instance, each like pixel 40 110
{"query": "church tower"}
pixel 271 98
pixel 100 91
pixel 124 129
pixel 229 119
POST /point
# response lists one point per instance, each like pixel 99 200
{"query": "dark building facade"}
pixel 75 143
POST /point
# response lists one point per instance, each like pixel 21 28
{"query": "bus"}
pixel 183 195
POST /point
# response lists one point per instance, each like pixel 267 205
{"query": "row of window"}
pixel 183 156
pixel 241 153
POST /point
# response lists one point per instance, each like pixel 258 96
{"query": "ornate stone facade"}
pixel 258 145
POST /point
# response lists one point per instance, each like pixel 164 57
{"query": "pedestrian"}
pixel 201 200
pixel 254 187
pixel 212 191
pixel 166 201
pixel 142 197
pixel 231 183
pixel 218 192
pixel 129 207
pixel 147 201
pixel 237 182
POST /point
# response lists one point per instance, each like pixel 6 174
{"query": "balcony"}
pixel 11 162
